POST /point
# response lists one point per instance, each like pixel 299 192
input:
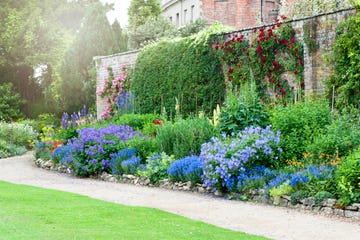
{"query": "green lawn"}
pixel 34 213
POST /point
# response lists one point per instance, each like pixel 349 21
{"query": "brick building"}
pixel 236 13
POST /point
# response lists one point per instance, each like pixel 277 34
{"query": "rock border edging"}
pixel 329 206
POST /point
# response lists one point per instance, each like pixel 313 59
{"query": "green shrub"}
pixel 17 134
pixel 185 136
pixel 283 189
pixel 140 122
pixel 321 196
pixel 340 138
pixel 8 150
pixel 10 102
pixel 183 68
pixel 347 177
pixel 299 125
pixel 145 146
pixel 297 196
pixel 157 167
pixel 242 110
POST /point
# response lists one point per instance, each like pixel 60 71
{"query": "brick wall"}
pixel 115 62
pixel 239 13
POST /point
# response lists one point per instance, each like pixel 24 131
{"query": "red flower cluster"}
pixel 158 122
pixel 272 52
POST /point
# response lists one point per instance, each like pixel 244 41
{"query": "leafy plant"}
pixel 185 136
pixel 145 146
pixel 18 134
pixel 137 121
pixel 297 196
pixel 10 102
pixel 299 124
pixel 347 179
pixel 242 110
pixel 339 138
pixel 157 167
pixel 321 196
pixel 186 169
pixel 283 189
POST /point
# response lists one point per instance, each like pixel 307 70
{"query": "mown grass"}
pixel 34 213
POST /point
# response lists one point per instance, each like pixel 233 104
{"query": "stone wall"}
pixel 116 62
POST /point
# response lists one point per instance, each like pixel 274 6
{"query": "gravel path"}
pixel 269 221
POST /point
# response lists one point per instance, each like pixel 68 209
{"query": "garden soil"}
pixel 269 221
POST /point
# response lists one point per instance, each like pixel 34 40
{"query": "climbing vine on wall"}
pixel 270 58
pixel 112 90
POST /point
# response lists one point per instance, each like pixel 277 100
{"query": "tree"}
pixel 141 10
pixel 120 38
pixel 152 30
pixel 95 37
pixel 10 103
pixel 31 38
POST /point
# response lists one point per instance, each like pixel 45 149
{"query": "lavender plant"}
pixel 226 158
pixel 92 149
pixel 117 160
pixel 186 169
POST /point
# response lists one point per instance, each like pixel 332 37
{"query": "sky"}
pixel 120 12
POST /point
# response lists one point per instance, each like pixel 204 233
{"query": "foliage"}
pixel 339 138
pixel 242 110
pixel 192 75
pixel 9 149
pixel 345 79
pixel 10 103
pixel 120 36
pixel 153 29
pixel 141 10
pixel 192 28
pixel 272 58
pixel 299 124
pixel 145 146
pixel 137 121
pixel 78 78
pixel 347 177
pixel 124 162
pixel 283 189
pixel 32 42
pixel 297 196
pixel 43 150
pixel 185 136
pixel 93 147
pixel 186 169
pixel 321 196
pixel 17 134
pixel 157 166
pixel 311 178
pixel 225 159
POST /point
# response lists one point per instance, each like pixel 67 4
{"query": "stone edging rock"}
pixel 328 207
